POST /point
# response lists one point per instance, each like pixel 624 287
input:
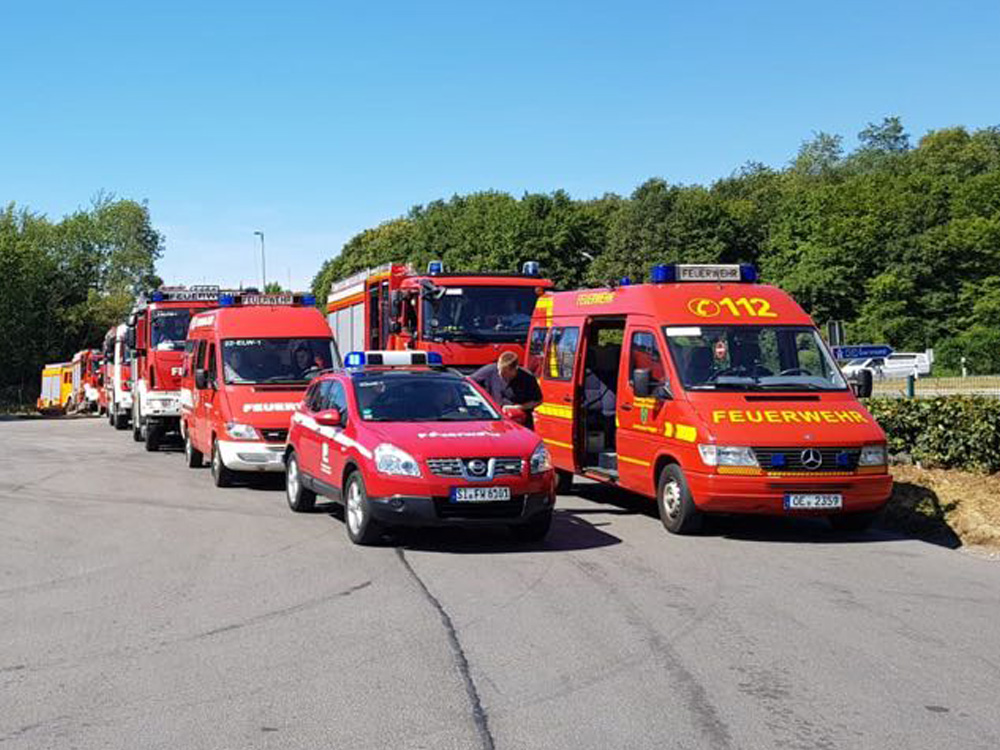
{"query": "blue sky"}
pixel 314 120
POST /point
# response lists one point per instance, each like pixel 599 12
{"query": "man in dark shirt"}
pixel 513 387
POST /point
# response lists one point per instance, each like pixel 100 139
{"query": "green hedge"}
pixel 961 432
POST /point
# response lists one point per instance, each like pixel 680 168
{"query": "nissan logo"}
pixel 812 459
pixel 477 467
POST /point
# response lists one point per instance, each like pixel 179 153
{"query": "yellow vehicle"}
pixel 57 387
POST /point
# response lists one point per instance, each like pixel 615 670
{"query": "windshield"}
pixel 276 360
pixel 169 329
pixel 420 398
pixel 478 313
pixel 787 358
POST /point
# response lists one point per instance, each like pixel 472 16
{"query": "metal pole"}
pixel 263 263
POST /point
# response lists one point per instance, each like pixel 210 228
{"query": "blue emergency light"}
pixel 309 300
pixel 844 460
pixel 226 300
pixel 531 268
pixel 748 273
pixel 435 267
pixel 354 359
pixel 158 296
pixel 663 274
pixel 778 460
pixel 625 281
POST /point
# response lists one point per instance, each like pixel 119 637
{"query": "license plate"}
pixel 813 502
pixel 479 494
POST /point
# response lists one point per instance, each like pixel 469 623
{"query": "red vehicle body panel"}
pixel 651 432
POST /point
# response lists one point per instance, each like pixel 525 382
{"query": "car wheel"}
pixel 222 476
pixel 300 499
pixel 361 527
pixel 534 530
pixel 192 455
pixel 676 505
pixel 136 425
pixel 564 481
pixel 852 521
pixel 121 420
pixel 153 434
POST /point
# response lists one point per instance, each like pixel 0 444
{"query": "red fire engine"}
pixel 467 318
pixel 86 381
pixel 117 377
pixel 157 331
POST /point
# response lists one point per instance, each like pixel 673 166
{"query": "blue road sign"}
pixel 862 351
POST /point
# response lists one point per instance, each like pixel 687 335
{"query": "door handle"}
pixel 626 407
pixel 568 399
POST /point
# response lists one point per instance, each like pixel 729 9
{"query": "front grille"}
pixel 832 460
pixel 465 467
pixel 503 509
pixel 275 436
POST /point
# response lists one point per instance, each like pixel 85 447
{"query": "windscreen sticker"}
pixel 454 291
pixel 751 307
pixel 774 416
pixel 678 331
pixel 242 342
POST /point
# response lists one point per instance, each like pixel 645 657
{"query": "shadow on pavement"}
pixel 567 533
pixel 914 512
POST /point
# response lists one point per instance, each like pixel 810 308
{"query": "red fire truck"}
pixel 157 331
pixel 117 377
pixel 467 318
pixel 87 377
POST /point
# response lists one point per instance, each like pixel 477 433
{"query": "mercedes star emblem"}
pixel 812 459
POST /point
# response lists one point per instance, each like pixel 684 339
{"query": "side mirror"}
pixel 662 393
pixel 130 337
pixel 200 379
pixel 394 305
pixel 640 384
pixel 329 418
pixel 862 383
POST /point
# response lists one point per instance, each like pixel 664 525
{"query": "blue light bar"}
pixel 309 300
pixel 435 267
pixel 748 273
pixel 434 358
pixel 663 274
pixel 226 300
pixel 354 359
pixel 625 281
pixel 157 296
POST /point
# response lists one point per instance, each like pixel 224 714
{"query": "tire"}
pixel 136 425
pixel 534 530
pixel 120 420
pixel 676 505
pixel 110 414
pixel 564 481
pixel 300 499
pixel 222 476
pixel 193 456
pixel 153 434
pixel 855 522
pixel 361 527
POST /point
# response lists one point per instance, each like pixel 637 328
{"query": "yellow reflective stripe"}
pixel 743 471
pixel 686 432
pixel 668 429
pixel 557 443
pixel 810 474
pixel 644 428
pixel 636 461
pixel 555 410
pixel 545 304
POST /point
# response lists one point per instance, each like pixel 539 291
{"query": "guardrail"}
pixel 976 385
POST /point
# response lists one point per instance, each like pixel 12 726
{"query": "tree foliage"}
pixel 63 284
pixel 901 242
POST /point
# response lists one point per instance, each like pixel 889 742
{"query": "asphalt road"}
pixel 140 607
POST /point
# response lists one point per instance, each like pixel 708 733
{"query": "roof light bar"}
pixel 392 359
pixel 705 272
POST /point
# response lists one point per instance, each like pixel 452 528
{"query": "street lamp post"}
pixel 263 266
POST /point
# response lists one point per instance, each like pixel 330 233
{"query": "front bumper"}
pixel 240 455
pixel 124 401
pixel 722 493
pixel 410 510
pixel 159 404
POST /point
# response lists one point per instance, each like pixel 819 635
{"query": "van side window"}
pixel 562 353
pixel 188 357
pixel 199 357
pixel 536 350
pixel 212 370
pixel 644 354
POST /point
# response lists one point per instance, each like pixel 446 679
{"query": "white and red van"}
pixel 117 377
pixel 246 367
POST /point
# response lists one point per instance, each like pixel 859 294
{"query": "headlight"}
pixel 392 460
pixel 241 431
pixel 872 455
pixel 541 460
pixel 727 455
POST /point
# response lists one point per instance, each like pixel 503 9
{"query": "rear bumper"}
pixel 715 493
pixel 252 456
pixel 410 510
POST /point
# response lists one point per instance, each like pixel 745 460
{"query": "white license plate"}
pixel 812 501
pixel 479 494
